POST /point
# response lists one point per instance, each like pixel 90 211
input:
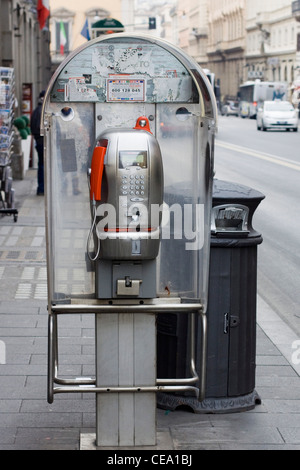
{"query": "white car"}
pixel 230 108
pixel 277 115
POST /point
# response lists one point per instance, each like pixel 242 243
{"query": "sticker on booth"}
pixel 125 89
pixel 78 89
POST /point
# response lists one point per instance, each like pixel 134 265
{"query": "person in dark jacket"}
pixel 35 125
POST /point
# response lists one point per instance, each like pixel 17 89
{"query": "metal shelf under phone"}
pixel 88 385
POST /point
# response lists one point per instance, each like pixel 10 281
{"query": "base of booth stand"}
pixel 163 442
pixel 248 402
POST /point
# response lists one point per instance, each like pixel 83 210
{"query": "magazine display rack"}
pixel 7 97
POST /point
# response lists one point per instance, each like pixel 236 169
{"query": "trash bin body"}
pixel 232 321
pixel 231 314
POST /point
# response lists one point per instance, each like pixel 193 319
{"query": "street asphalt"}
pixel 27 421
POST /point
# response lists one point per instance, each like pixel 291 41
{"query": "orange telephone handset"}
pixel 97 168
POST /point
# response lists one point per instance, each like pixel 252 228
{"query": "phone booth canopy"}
pixel 129 124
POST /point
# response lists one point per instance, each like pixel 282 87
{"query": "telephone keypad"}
pixel 134 184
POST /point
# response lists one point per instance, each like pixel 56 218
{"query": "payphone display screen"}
pixel 128 158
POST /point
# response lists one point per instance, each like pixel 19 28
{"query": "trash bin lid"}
pixel 228 192
pixel 232 198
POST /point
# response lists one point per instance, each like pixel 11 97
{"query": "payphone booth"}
pixel 129 124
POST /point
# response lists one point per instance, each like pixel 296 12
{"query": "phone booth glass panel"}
pixel 95 99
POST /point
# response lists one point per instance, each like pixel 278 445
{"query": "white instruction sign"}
pixel 125 89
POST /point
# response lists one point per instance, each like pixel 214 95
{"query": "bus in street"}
pixel 252 94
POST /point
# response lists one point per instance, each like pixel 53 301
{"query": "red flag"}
pixel 43 12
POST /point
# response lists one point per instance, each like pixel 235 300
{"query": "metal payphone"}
pixel 129 124
pixel 129 234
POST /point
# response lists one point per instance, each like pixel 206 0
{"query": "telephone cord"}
pixel 91 232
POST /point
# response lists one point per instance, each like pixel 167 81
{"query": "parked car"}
pixel 277 115
pixel 230 108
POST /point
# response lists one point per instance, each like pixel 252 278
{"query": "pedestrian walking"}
pixel 35 125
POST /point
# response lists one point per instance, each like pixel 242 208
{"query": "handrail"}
pixel 88 385
pixel 120 308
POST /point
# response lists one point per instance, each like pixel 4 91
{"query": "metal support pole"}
pixel 51 357
pixel 126 359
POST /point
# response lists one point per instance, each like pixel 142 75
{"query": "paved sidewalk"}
pixel 27 421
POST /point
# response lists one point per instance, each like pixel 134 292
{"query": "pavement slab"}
pixel 27 421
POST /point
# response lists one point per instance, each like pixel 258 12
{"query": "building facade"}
pixel 190 31
pixel 271 35
pixel 25 48
pixel 227 43
pixel 160 12
pixel 75 18
pixel 69 18
pixel 238 40
pixel 241 40
pixel 213 32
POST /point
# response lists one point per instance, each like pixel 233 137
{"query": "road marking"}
pixel 41 292
pixel 263 156
pixel 40 232
pixel 28 273
pixel 11 241
pixel 42 274
pixel 23 291
pixel 37 241
pixel 17 231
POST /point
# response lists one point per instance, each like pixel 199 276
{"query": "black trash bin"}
pixel 231 314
